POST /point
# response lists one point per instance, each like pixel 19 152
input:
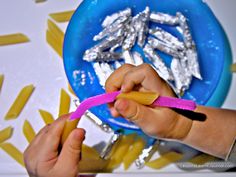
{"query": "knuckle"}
pixel 127 76
pixel 108 83
pixel 26 156
pixel 148 70
pixel 74 150
pixel 146 67
pixel 136 114
pixel 126 65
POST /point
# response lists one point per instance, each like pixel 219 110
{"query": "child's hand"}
pixel 157 122
pixel 42 157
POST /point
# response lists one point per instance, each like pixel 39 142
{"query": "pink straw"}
pixel 172 102
pixel 94 101
pixel 162 101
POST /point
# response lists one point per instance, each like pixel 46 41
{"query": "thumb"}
pixel 71 151
pixel 143 116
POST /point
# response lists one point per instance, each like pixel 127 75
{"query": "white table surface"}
pixel 36 63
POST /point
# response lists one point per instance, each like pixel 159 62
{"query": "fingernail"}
pixel 78 135
pixel 123 89
pixel 113 111
pixel 121 105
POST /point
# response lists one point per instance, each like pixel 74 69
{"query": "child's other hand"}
pixel 42 157
pixel 158 122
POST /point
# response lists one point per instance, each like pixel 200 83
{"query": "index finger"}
pixel 113 83
pixel 45 143
pixel 53 135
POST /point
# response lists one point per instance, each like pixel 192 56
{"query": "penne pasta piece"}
pixel 90 160
pixel 145 98
pixel 19 102
pixel 164 160
pixel 1 81
pixel 15 153
pixel 62 16
pixel 56 31
pixel 91 165
pixel 90 152
pixel 13 39
pixel 53 42
pixel 5 134
pixel 113 163
pixel 46 116
pixel 28 131
pixel 69 126
pixel 120 151
pixel 134 152
pixel 114 148
pixel 64 103
pixel 202 159
pixel 233 68
pixel 39 1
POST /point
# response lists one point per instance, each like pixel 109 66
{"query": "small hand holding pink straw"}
pixel 145 98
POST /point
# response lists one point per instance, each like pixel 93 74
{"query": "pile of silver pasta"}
pixel 122 31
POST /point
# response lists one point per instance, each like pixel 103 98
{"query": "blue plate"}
pixel 211 42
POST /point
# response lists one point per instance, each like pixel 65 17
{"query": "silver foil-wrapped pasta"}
pixel 122 33
pixel 158 63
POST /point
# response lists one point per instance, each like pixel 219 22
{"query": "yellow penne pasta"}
pixel 133 152
pixel 69 126
pixel 145 98
pixel 233 67
pixel 90 165
pixel 64 103
pixel 123 147
pixel 46 116
pixel 28 131
pixel 39 1
pixel 202 159
pixel 62 16
pixel 91 160
pixel 15 153
pixel 164 160
pixel 89 152
pixel 54 43
pixel 1 81
pixel 5 134
pixel 120 151
pixel 112 164
pixel 56 31
pixel 19 102
pixel 13 39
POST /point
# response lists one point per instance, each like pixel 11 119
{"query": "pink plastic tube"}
pixel 162 101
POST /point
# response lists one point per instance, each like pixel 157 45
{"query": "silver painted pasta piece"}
pixel 123 33
pixel 158 63
pixel 167 37
pixel 163 18
pixel 181 75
